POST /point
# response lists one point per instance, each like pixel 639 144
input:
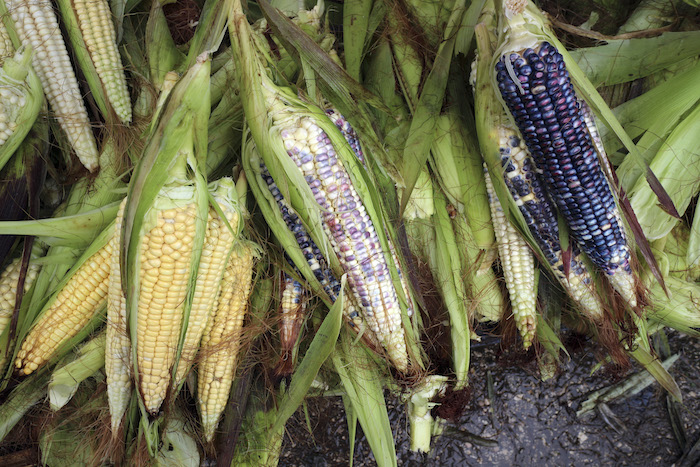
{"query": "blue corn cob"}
pixel 541 98
pixel 524 184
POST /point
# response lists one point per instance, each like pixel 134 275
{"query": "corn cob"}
pixel 536 88
pixel 221 339
pixel 217 246
pixel 166 256
pixel 318 264
pixel 71 310
pixel 350 230
pixel 280 121
pixel 8 288
pixel 95 20
pixel 118 343
pixel 529 195
pixel 292 312
pixel 518 267
pixel 37 26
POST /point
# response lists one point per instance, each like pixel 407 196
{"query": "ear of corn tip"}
pixel 37 26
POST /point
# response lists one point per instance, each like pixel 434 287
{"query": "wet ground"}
pixel 533 423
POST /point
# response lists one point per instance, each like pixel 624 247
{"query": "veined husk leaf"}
pixel 75 230
pixel 163 54
pixel 450 276
pixel 65 379
pixel 620 61
pixel 693 255
pixel 677 165
pixel 456 160
pixel 355 31
pixel 653 115
pixel 362 382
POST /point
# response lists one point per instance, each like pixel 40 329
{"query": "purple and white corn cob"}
pixel 350 231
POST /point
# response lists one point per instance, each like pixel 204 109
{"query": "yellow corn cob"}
pixel 118 346
pixel 74 306
pixel 221 338
pixel 8 288
pixel 166 255
pixel 95 20
pixel 215 253
pixel 518 267
pixel 36 25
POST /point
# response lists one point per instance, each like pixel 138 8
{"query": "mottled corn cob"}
pixel 222 336
pixel 537 89
pixel 8 288
pixel 350 230
pixel 166 256
pixel 518 267
pixel 95 20
pixel 118 346
pixel 68 313
pixel 215 251
pixel 37 26
pixel 315 259
pixel 529 195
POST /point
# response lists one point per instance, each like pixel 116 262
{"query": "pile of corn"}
pixel 238 212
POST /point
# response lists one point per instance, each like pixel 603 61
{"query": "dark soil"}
pixel 532 422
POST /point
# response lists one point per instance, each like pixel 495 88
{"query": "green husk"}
pixel 18 78
pixel 362 382
pixel 677 167
pixel 653 115
pixel 693 255
pixel 22 398
pixel 355 29
pixel 620 61
pixel 65 379
pixel 319 350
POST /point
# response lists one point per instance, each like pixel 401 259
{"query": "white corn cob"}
pixel 37 26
